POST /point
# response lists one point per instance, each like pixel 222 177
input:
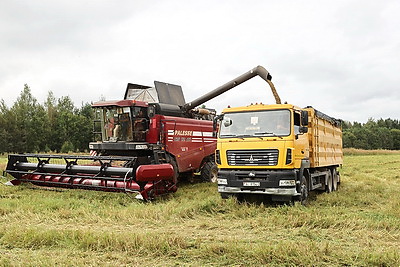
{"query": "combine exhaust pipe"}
pixel 257 71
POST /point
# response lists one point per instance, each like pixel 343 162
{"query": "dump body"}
pixel 325 139
pixel 277 150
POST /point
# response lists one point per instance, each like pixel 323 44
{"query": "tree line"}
pixel 56 125
pixel 374 134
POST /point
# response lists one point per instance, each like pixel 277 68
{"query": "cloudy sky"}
pixel 342 57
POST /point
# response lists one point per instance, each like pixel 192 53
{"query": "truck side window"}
pixel 297 123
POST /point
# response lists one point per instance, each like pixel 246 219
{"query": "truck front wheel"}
pixel 209 172
pixel 303 191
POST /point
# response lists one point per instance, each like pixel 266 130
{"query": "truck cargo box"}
pixel 325 137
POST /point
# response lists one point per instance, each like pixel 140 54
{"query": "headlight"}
pixel 288 156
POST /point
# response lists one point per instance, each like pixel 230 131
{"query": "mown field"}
pixel 359 225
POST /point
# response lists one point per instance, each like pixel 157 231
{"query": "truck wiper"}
pixel 243 135
pixel 268 133
pixel 227 135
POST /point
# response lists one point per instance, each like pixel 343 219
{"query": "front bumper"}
pixel 265 191
pixel 265 182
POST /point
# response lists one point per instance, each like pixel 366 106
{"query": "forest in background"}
pixel 58 126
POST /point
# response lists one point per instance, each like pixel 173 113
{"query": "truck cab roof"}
pixel 259 107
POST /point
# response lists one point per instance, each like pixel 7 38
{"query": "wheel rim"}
pixel 334 180
pixel 303 191
pixel 329 185
pixel 214 175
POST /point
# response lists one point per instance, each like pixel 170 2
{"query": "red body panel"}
pixel 147 173
pixel 189 140
pixel 62 181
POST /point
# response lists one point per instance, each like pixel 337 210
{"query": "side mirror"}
pixel 304 118
pixel 303 129
pixel 227 122
pixel 151 111
pixel 215 124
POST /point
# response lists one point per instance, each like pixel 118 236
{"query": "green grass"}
pixel 357 225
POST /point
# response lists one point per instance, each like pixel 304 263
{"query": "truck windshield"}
pixel 256 124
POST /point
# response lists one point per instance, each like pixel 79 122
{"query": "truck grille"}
pixel 262 157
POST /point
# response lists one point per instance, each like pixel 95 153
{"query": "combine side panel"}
pixel 189 140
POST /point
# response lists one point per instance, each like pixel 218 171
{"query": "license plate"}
pixel 251 183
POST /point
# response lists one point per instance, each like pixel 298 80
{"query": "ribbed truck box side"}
pixel 325 139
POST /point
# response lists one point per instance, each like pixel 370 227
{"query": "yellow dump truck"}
pixel 280 151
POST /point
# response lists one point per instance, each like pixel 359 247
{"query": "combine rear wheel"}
pixel 209 172
pixel 176 171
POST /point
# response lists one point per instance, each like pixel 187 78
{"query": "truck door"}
pixel 301 148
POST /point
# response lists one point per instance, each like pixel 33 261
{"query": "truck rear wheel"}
pixel 334 180
pixel 209 172
pixel 329 183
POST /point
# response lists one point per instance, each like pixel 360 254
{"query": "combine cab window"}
pixel 117 124
pixel 140 123
pixel 123 124
pixel 255 124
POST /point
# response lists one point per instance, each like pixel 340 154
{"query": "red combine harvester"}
pixel 146 143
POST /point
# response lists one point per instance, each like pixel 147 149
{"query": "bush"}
pixel 67 147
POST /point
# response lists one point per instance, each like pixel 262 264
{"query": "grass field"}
pixel 358 225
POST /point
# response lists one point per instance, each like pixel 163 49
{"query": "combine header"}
pixel 47 170
pixel 144 143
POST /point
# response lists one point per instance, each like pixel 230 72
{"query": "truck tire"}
pixel 209 172
pixel 226 195
pixel 329 183
pixel 303 191
pixel 334 180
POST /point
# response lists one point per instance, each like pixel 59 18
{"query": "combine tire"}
pixel 176 172
pixel 209 172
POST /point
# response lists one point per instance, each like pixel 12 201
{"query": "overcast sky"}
pixel 341 57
